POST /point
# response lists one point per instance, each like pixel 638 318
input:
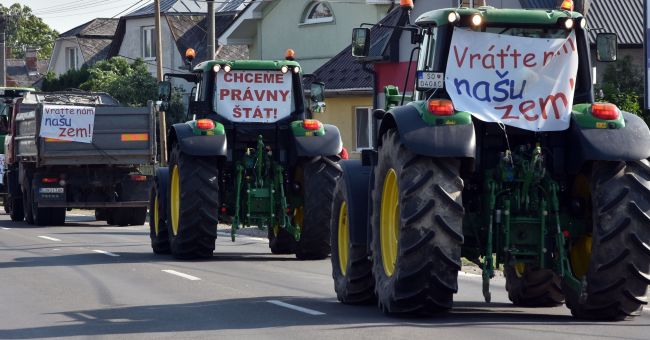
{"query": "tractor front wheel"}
pixel 613 262
pixel 193 205
pixel 530 287
pixel 417 216
pixel 157 223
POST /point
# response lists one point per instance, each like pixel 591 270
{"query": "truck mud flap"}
pixel 356 179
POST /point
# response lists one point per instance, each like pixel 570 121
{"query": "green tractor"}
pixel 7 96
pixel 503 157
pixel 248 157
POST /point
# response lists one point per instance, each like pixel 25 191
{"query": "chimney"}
pixel 477 3
pixel 31 61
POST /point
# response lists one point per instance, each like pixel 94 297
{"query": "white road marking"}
pixel 50 238
pixel 183 275
pixel 296 308
pixel 105 252
pixel 646 309
pixel 4 228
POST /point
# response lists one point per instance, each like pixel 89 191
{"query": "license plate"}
pixel 51 190
pixel 430 80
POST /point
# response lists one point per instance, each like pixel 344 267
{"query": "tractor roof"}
pixel 494 15
pixel 246 64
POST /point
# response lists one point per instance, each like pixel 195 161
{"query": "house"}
pixel 183 25
pixel 83 45
pixel 315 30
pixel 26 72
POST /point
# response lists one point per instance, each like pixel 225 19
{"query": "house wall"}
pixel 340 112
pixel 58 65
pixel 314 44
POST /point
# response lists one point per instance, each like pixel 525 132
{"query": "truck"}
pixel 79 150
pixel 503 157
pixel 248 156
pixel 7 96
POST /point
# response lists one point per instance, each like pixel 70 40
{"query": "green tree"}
pixel 72 79
pixel 24 29
pixel 623 85
pixel 130 83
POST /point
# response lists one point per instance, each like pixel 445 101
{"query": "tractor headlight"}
pixel 216 68
pixel 296 69
pixel 284 69
pixel 227 68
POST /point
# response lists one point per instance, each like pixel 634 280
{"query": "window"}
pixel 71 60
pixel 148 43
pixel 364 126
pixel 318 12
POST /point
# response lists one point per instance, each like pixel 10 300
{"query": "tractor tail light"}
pixel 49 180
pixel 138 178
pixel 605 111
pixel 205 124
pixel 344 154
pixel 311 124
pixel 441 107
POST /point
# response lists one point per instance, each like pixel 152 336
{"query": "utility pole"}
pixel 211 29
pixel 162 125
pixel 3 57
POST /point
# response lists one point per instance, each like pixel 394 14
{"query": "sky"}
pixel 63 15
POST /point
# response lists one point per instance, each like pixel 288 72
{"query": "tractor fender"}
pixel 329 144
pixel 356 178
pixel 162 183
pixel 631 143
pixel 426 140
pixel 194 145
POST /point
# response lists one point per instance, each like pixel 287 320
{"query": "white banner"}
pixel 253 96
pixel 3 164
pixel 71 123
pixel 522 82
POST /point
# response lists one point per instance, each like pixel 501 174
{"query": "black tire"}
pixel 16 212
pixel 429 224
pixel 110 216
pixel 121 216
pixel 356 285
pixel 534 287
pixel 198 198
pixel 101 214
pixel 283 243
pixel 618 273
pixel 137 216
pixel 158 226
pixel 320 176
pixel 27 202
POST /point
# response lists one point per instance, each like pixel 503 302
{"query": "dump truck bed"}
pixel 121 135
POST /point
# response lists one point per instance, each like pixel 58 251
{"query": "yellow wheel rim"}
pixel 580 255
pixel 389 222
pixel 520 267
pixel 298 217
pixel 343 238
pixel 155 214
pixel 175 199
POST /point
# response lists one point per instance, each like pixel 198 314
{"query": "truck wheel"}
pixel 157 225
pixel 16 213
pixel 281 242
pixel 351 266
pixel 530 287
pixel 193 205
pixel 120 216
pixel 27 203
pixel 101 214
pixel 137 216
pixel 319 182
pixel 614 260
pixel 417 216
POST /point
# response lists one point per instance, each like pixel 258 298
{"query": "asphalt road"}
pixel 89 280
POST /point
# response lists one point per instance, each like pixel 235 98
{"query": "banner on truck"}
pixel 522 82
pixel 253 96
pixel 70 123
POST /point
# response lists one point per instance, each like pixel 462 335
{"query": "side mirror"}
pixel 606 47
pixel 360 42
pixel 164 91
pixel 317 96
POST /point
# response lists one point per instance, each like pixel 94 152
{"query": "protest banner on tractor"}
pixel 70 123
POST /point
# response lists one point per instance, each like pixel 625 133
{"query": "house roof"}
pixel 344 72
pixel 187 6
pixel 191 31
pixel 94 49
pixel 19 75
pixel 623 17
pixel 100 27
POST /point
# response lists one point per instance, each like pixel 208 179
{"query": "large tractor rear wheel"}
pixel 319 182
pixel 157 223
pixel 193 205
pixel 613 262
pixel 531 287
pixel 351 265
pixel 417 216
pixel 16 212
